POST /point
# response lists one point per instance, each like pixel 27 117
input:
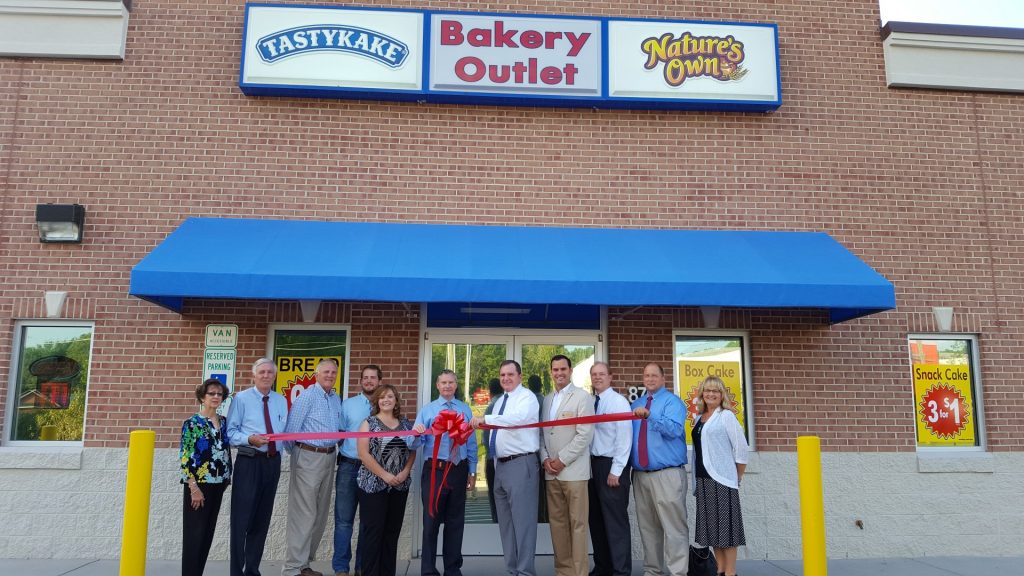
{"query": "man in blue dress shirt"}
pixel 254 413
pixel 451 505
pixel 659 476
pixel 353 412
pixel 317 409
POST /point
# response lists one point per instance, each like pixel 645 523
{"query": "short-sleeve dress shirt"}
pixel 315 411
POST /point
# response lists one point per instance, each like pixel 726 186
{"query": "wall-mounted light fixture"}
pixel 943 317
pixel 54 301
pixel 710 315
pixel 310 308
pixel 60 222
pixel 492 310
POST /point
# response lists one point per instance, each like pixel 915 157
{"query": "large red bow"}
pixel 458 430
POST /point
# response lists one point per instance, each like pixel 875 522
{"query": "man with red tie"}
pixel 254 413
pixel 659 476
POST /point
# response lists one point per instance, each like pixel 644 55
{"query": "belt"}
pixel 439 464
pixel 504 459
pixel 354 461
pixel 317 449
pixel 658 469
pixel 250 452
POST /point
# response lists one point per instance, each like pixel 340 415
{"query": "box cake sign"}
pixel 512 59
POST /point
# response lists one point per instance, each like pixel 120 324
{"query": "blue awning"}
pixel 360 261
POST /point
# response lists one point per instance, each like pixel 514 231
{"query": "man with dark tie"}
pixel 659 476
pixel 516 469
pixel 609 480
pixel 451 501
pixel 254 413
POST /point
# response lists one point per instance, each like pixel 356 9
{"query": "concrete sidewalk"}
pixel 493 566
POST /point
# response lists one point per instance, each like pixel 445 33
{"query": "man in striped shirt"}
pixel 317 409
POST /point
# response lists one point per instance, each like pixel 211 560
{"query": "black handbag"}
pixel 702 562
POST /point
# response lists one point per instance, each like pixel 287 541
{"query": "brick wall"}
pixel 923 185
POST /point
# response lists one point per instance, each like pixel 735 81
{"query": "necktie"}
pixel 494 433
pixel 272 447
pixel 642 440
pixel 597 400
pixel 446 444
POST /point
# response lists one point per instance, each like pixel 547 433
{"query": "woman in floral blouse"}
pixel 383 482
pixel 205 472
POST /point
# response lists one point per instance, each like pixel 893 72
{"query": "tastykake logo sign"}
pixel 322 51
pixel 510 59
pixel 327 37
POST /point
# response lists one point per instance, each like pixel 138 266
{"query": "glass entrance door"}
pixel 475 357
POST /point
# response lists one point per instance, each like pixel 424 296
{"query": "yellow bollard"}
pixel 48 432
pixel 135 532
pixel 812 505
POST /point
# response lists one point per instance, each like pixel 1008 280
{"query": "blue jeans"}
pixel 345 503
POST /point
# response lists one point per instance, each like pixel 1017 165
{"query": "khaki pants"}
pixel 661 514
pixel 568 510
pixel 309 504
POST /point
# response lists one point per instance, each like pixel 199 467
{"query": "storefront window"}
pixel 698 356
pixel 946 392
pixel 298 351
pixel 49 382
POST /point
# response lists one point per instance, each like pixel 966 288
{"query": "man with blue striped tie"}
pixel 451 496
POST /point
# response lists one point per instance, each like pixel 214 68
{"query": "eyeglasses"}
pixel 221 394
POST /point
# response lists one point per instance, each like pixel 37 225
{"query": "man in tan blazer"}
pixel 565 454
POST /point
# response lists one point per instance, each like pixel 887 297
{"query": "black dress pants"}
pixel 198 526
pixel 609 520
pixel 380 519
pixel 489 477
pixel 254 481
pixel 451 511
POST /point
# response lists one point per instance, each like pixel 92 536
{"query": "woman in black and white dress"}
pixel 720 458
pixel 383 481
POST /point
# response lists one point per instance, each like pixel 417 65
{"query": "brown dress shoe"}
pixel 307 571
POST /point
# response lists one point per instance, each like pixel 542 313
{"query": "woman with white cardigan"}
pixel 720 458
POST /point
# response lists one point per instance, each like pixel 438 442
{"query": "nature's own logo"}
pixel 333 37
pixel 694 56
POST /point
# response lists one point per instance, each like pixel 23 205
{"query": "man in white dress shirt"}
pixel 609 480
pixel 516 469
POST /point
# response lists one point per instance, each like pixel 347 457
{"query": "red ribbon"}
pixel 596 419
pixel 299 436
pixel 458 430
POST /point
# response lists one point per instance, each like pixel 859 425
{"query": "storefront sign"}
pixel 296 373
pixel 510 59
pixel 505 54
pixel 324 51
pixel 692 372
pixel 944 404
pixel 693 61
